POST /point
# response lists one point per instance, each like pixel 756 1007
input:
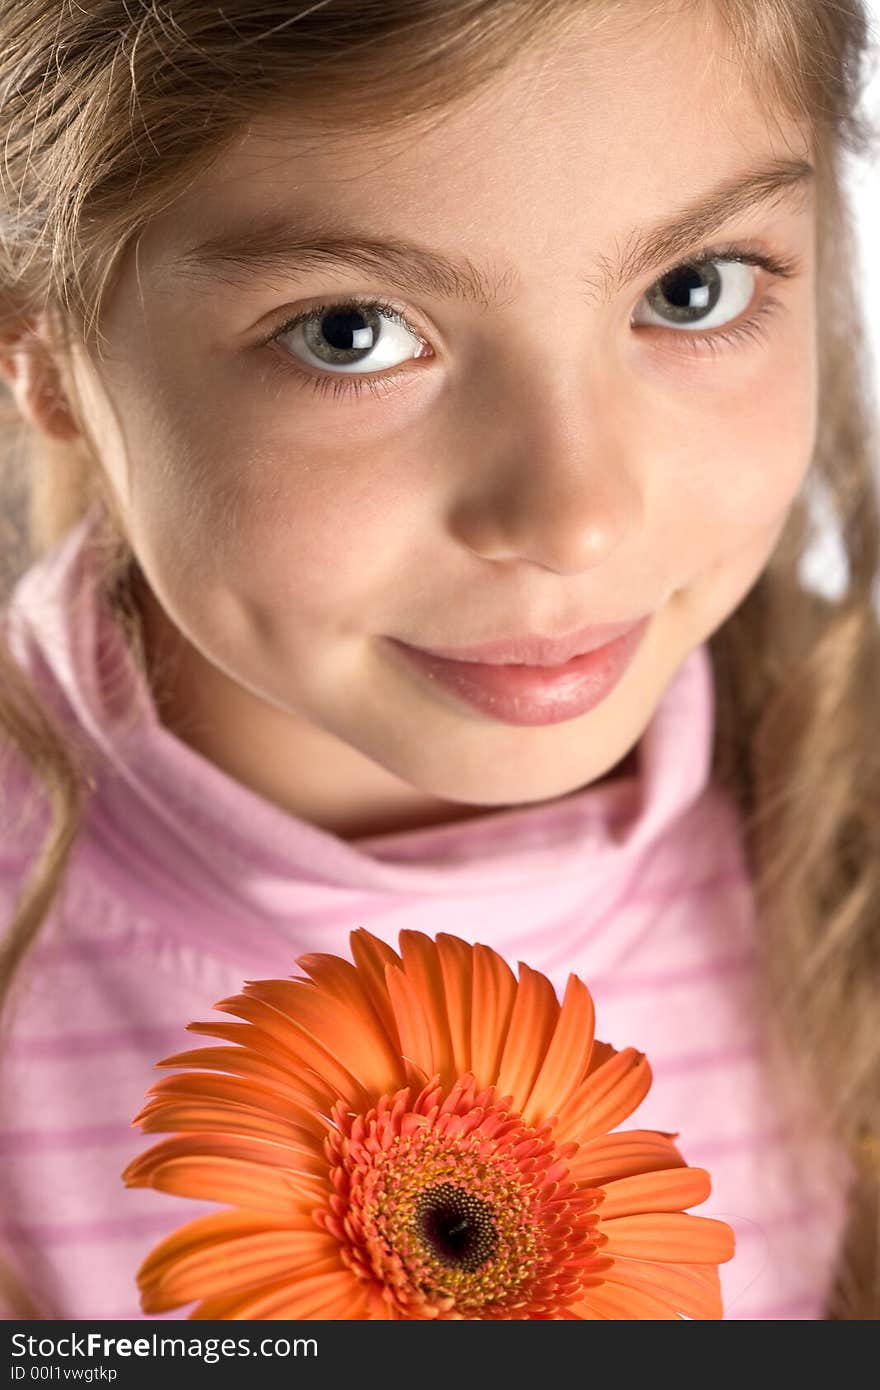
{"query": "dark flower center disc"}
pixel 458 1228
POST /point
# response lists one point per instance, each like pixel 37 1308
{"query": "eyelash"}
pixel 335 385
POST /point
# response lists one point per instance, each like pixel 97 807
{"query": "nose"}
pixel 553 488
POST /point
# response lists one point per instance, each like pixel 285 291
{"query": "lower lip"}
pixel 532 694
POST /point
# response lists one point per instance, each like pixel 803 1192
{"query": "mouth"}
pixel 530 693
pixel 533 649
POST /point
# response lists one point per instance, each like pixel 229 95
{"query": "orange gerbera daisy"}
pixel 420 1136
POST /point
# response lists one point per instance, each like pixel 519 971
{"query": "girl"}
pixel 371 364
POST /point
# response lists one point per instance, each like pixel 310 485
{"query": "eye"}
pixel 347 341
pixel 351 337
pixel 700 296
pixel 710 292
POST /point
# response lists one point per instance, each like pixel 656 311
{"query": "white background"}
pixel 824 567
pixel 865 185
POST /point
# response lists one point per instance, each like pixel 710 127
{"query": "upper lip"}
pixel 532 649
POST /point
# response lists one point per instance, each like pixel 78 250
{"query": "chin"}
pixel 523 791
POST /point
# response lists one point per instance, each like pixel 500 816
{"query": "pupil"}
pixel 687 291
pixel 345 329
pixel 457 1227
pixel 679 287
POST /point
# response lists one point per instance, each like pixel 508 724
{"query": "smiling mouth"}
pixel 523 694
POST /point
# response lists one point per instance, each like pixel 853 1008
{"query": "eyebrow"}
pixel 274 245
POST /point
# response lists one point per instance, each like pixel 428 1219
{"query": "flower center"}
pixel 449 1205
pixel 457 1227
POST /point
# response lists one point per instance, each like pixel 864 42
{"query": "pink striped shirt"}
pixel 184 883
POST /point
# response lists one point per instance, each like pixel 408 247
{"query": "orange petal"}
pixel 261 1101
pixel 567 1056
pixel 371 957
pixel 610 1156
pixel 378 1308
pixel 216 1227
pixel 352 1038
pixel 251 1185
pixel 416 1046
pixel 694 1290
pixel 493 998
pixel 303 1094
pixel 608 1096
pixel 251 1173
pixel 242 1266
pixel 328 1295
pixel 218 1258
pixel 421 964
pixel 532 1024
pixel 302 1050
pixel 601 1053
pixel 261 1045
pixel 669 1237
pixel 274 1153
pixel 456 962
pixel 627 1303
pixel 225 1307
pixel 162 1116
pixel 238 1060
pixel 344 983
pixel 674 1189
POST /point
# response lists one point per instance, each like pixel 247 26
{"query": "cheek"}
pixel 747 452
pixel 252 522
pixel 328 539
pixel 306 538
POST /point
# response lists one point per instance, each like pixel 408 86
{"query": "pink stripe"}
pixel 86 949
pixel 18 1142
pixel 155 939
pixel 719 967
pixel 375 906
pixel 136 1315
pixel 630 984
pixel 385 904
pixel 752 1139
pixel 628 898
pixel 379 905
pixel 382 903
pixel 696 1061
pixel 88 1232
pixel 801 1216
pixel 84 1044
pixel 781 1310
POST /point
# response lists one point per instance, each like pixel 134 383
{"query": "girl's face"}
pixel 587 439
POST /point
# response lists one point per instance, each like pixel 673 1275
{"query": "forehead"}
pixel 586 136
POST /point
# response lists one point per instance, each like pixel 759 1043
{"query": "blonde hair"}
pixel 110 110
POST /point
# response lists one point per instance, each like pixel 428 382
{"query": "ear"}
pixel 30 369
